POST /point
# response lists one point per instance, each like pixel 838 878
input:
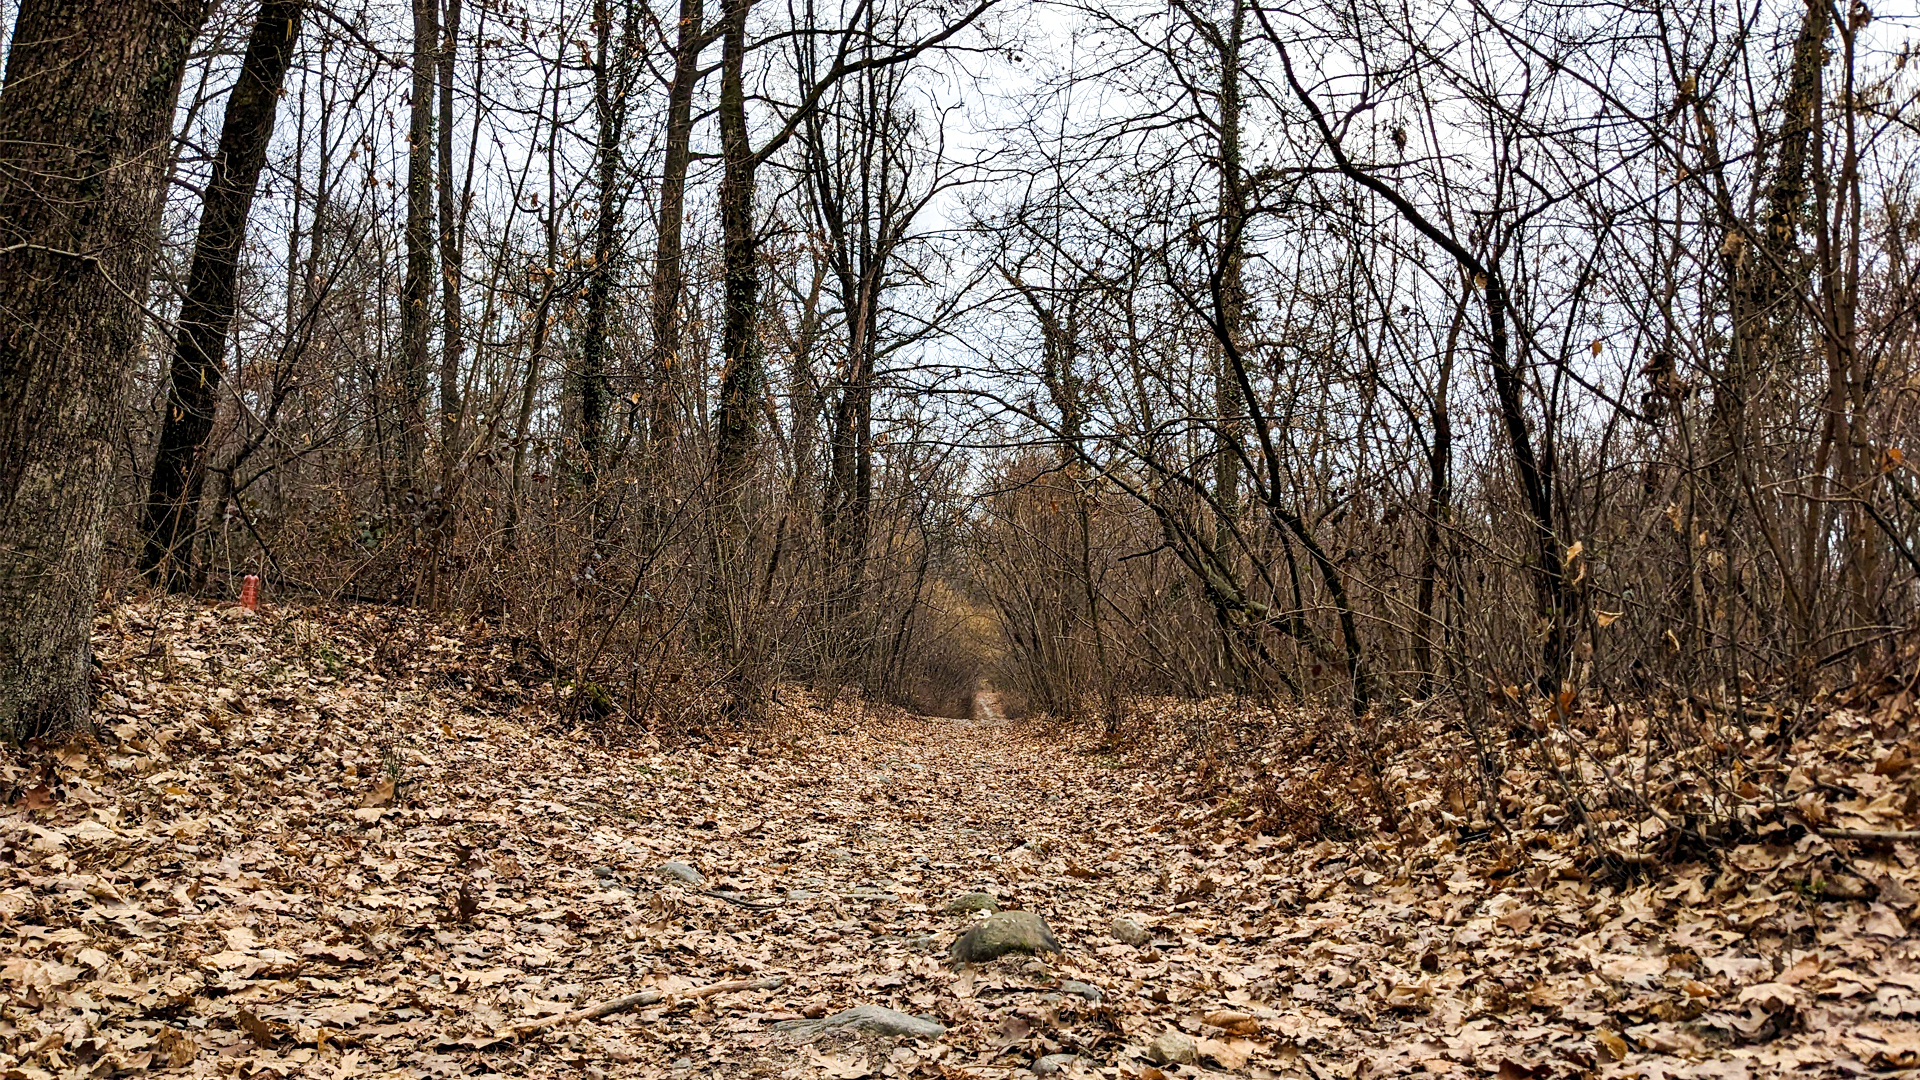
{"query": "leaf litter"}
pixel 348 842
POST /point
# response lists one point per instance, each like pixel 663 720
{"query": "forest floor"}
pixel 348 843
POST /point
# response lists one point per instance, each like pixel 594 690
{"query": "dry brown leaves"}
pixel 289 854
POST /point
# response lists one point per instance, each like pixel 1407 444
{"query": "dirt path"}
pixel 986 707
pixel 864 835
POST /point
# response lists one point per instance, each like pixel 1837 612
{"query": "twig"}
pixel 94 261
pixel 634 1001
pixel 1738 712
pixel 1888 835
pixel 752 905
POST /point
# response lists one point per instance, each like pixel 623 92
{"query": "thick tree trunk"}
pixel 83 153
pixel 743 382
pixel 416 300
pixel 668 279
pixel 206 315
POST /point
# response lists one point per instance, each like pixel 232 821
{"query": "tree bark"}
pixel 206 314
pixel 743 381
pixel 668 279
pixel 84 133
pixel 1762 315
pixel 1231 295
pixel 453 334
pixel 610 82
pixel 416 300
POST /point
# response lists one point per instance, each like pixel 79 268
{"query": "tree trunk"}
pixel 610 78
pixel 453 342
pixel 83 149
pixel 206 315
pixel 1230 297
pixel 668 279
pixel 1763 317
pixel 416 300
pixel 1552 601
pixel 743 381
pixel 845 517
pixel 1439 512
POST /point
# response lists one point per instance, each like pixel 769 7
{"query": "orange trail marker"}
pixel 250 592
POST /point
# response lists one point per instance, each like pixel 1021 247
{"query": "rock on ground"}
pixel 679 871
pixel 1002 933
pixel 1129 931
pixel 1082 990
pixel 865 1019
pixel 968 903
pixel 1174 1048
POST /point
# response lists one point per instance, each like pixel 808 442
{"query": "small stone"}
pixel 679 871
pixel 968 903
pixel 1002 933
pixel 868 1019
pixel 1083 990
pixel 683 1063
pixel 1174 1048
pixel 1128 931
pixel 1053 1063
pixel 604 872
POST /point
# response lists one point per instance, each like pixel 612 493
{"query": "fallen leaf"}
pixel 178 1048
pixel 1238 1023
pixel 1609 1044
pixel 381 796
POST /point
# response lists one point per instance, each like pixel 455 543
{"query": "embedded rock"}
pixel 1003 933
pixel 679 871
pixel 1174 1048
pixel 968 903
pixel 865 1019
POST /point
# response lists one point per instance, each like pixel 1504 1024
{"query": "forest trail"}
pixel 230 881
